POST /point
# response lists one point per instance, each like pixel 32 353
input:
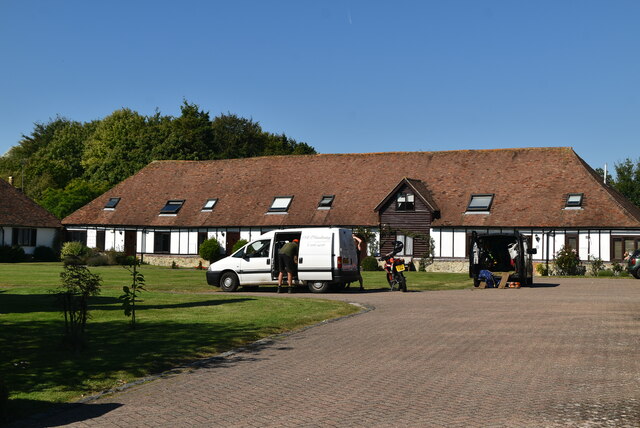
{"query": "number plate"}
pixel 400 268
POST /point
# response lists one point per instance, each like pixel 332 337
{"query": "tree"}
pixel 627 179
pixel 120 146
pixel 78 193
pixel 78 284
pixel 131 293
pixel 190 136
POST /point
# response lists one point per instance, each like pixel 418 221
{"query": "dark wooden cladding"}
pixel 416 222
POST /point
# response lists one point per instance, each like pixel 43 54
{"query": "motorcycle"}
pixel 395 267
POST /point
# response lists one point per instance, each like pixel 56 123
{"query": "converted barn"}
pixel 550 195
pixel 24 223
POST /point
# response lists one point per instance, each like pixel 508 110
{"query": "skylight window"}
pixel 208 206
pixel 574 200
pixel 280 204
pixel 111 204
pixel 172 207
pixel 326 202
pixel 480 202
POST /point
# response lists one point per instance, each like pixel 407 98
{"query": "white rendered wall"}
pixel 459 243
pixel 91 238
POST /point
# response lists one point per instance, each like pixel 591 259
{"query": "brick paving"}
pixel 556 356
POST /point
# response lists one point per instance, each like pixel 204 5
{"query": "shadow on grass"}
pixel 33 361
pixel 25 303
pixel 57 414
pixel 142 306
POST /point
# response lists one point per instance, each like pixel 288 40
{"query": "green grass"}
pixel 420 281
pixel 181 319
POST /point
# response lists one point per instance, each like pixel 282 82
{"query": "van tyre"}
pixel 318 286
pixel 229 281
pixel 636 273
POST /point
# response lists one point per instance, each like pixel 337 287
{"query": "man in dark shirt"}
pixel 287 258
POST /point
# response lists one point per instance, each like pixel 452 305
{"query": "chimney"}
pixel 11 180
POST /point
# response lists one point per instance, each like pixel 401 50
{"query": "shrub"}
pixel 542 269
pixel 596 266
pixel 617 268
pixel 567 262
pixel 75 252
pixel 624 273
pixel 12 254
pixel 98 260
pixel 44 254
pixel 370 263
pixel 210 250
pixel 116 257
pixel 241 243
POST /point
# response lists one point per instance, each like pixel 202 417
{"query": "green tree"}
pixel 627 179
pixel 76 194
pixel 190 136
pixel 120 146
pixel 78 284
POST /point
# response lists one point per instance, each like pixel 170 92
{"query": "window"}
pixel 172 207
pixel 405 202
pixel 571 241
pixel 280 204
pixel 255 249
pixel 24 237
pixel 208 206
pixel 480 202
pixel 326 202
pixel 407 242
pixel 623 244
pixel 77 236
pixel 574 200
pixel 162 242
pixel 202 236
pixel 111 204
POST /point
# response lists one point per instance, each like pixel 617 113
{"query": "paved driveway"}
pixel 563 355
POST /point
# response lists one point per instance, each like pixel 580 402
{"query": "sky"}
pixel 344 76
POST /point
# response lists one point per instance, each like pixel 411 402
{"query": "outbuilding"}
pixel 24 223
pixel 424 199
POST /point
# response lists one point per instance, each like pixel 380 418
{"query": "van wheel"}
pixel 229 282
pixel 318 286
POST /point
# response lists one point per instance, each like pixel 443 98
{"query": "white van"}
pixel 326 257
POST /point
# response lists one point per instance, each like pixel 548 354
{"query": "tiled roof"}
pixel 16 209
pixel 530 187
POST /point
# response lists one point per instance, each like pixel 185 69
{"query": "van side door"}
pixel 474 256
pixel 255 266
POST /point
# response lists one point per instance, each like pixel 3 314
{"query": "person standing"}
pixel 287 259
pixel 361 253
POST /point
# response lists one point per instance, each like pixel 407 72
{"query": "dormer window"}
pixel 208 206
pixel 111 204
pixel 480 203
pixel 280 204
pixel 326 202
pixel 574 200
pixel 405 202
pixel 172 207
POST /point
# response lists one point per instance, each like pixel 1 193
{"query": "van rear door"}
pixel 314 257
pixel 474 256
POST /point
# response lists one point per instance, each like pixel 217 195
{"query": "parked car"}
pixel 633 264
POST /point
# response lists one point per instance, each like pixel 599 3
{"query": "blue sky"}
pixel 344 76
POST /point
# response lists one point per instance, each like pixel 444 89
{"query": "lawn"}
pixel 181 319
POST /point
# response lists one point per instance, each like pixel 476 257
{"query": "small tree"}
pixel 78 284
pixel 131 293
pixel 210 250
